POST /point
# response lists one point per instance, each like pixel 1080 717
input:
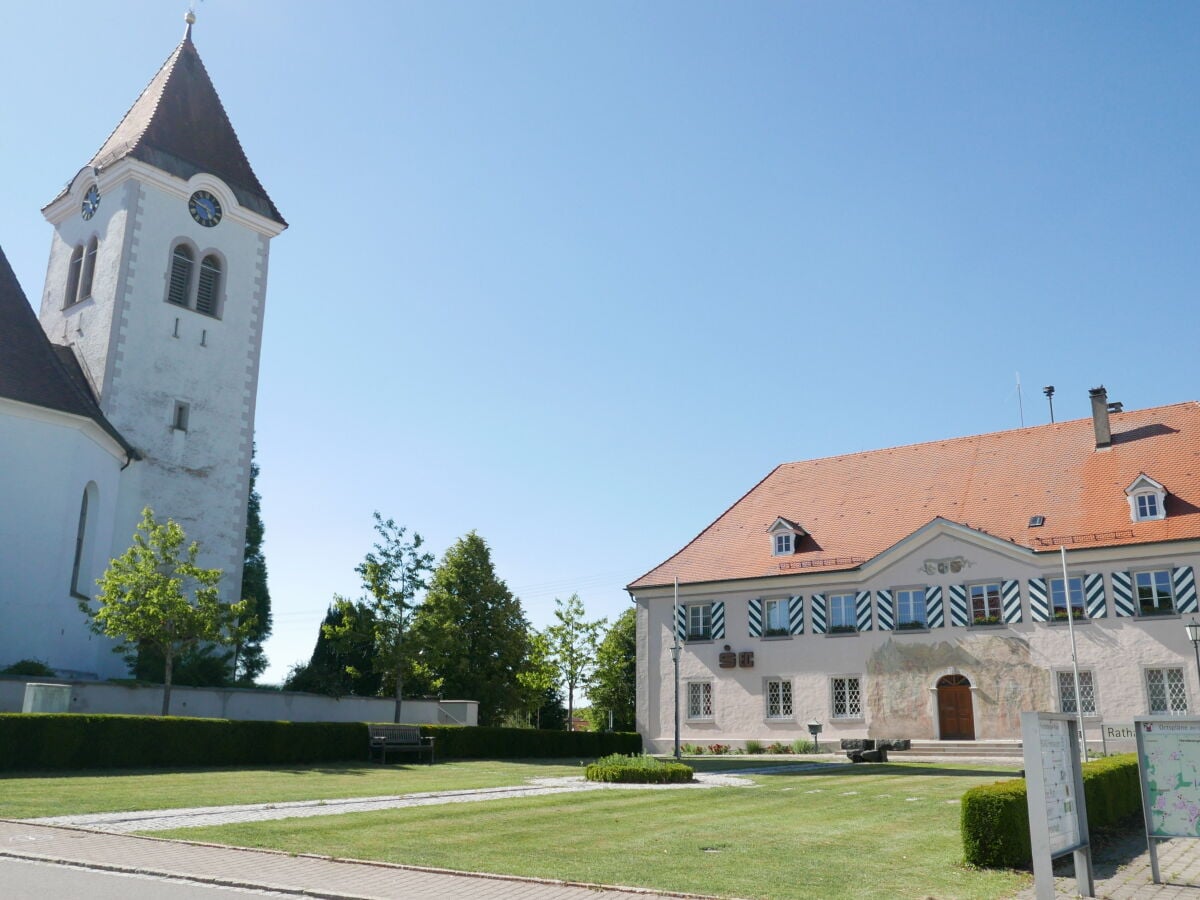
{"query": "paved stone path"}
pixel 1121 869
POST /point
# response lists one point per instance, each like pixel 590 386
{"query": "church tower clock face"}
pixel 91 201
pixel 205 208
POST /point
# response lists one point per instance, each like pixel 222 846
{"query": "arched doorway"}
pixel 956 716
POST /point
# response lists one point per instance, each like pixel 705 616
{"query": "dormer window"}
pixel 784 536
pixel 1147 499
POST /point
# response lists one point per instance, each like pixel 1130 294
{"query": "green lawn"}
pixel 869 831
pixel 60 794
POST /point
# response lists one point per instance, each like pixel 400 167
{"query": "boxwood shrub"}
pixel 995 817
pixel 74 741
pixel 638 770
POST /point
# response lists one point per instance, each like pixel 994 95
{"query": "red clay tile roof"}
pixel 179 125
pixel 37 372
pixel 856 506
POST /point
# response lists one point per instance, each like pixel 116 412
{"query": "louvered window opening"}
pixel 181 276
pixel 72 292
pixel 208 286
pixel 700 700
pixel 89 270
pixel 847 698
pixel 1168 697
pixel 779 699
pixel 1066 692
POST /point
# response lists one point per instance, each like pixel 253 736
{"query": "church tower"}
pixel 157 283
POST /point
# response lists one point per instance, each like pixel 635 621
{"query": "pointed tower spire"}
pixel 179 125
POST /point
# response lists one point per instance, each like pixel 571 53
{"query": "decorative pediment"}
pixel 784 535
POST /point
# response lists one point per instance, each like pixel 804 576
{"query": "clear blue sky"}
pixel 576 276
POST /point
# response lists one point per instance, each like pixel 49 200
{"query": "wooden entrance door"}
pixel 956 718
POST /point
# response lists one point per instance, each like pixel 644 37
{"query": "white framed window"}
pixel 784 544
pixel 1154 593
pixel 842 615
pixel 846 697
pixel 1059 594
pixel 910 607
pixel 775 622
pixel 1166 692
pixel 699 700
pixel 1147 506
pixel 779 698
pixel 699 621
pixel 1147 499
pixel 985 603
pixel 1066 692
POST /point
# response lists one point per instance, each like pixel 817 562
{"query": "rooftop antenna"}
pixel 1020 401
pixel 1048 390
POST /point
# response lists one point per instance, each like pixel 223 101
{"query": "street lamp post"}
pixel 675 649
pixel 1193 632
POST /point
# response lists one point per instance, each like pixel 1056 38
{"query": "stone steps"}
pixel 1010 749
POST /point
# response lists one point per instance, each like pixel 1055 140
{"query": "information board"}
pixel 1058 782
pixel 1169 755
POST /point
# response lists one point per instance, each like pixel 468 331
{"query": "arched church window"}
pixel 89 269
pixel 72 291
pixel 208 288
pixel 81 535
pixel 181 275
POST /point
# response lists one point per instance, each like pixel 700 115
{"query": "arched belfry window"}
pixel 181 275
pixel 209 285
pixel 72 292
pixel 89 269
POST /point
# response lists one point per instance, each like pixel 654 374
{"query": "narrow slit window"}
pixel 80 534
pixel 179 420
pixel 181 276
pixel 89 269
pixel 72 291
pixel 209 285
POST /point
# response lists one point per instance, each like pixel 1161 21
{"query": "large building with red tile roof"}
pixel 918 591
pixel 135 384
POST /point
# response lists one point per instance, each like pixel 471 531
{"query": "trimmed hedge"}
pixel 619 769
pixel 995 817
pixel 74 741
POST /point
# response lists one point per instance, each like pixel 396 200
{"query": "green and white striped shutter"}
pixel 1010 601
pixel 1039 603
pixel 818 613
pixel 884 610
pixel 934 612
pixel 1185 589
pixel 862 611
pixel 1093 596
pixel 754 617
pixel 1122 587
pixel 718 620
pixel 681 622
pixel 796 614
pixel 958 605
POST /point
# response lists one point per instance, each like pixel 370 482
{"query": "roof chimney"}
pixel 1100 417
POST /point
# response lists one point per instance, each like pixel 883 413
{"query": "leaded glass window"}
pixel 1168 696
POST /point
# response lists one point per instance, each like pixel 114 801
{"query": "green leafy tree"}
pixel 539 676
pixel 472 633
pixel 573 641
pixel 345 666
pixel 614 682
pixel 393 573
pixel 249 657
pixel 154 595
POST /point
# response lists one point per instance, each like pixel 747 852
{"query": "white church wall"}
pixel 243 704
pixel 54 457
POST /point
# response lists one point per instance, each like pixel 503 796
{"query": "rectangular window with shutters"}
pixel 843 617
pixel 1166 692
pixel 1058 597
pixel 779 698
pixel 846 697
pixel 775 620
pixel 985 603
pixel 1154 594
pixel 699 621
pixel 699 700
pixel 1066 692
pixel 910 608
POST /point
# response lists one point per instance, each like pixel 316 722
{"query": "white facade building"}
pixel 139 387
pixel 917 592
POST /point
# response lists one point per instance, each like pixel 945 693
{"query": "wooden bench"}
pixel 397 739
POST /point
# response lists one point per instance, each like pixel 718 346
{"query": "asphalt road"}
pixel 29 880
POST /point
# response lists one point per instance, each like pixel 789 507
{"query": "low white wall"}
pixel 243 703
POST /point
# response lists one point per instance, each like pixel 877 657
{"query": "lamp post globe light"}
pixel 1193 632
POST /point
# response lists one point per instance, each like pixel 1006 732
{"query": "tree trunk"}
pixel 168 663
pixel 399 688
pixel 570 706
